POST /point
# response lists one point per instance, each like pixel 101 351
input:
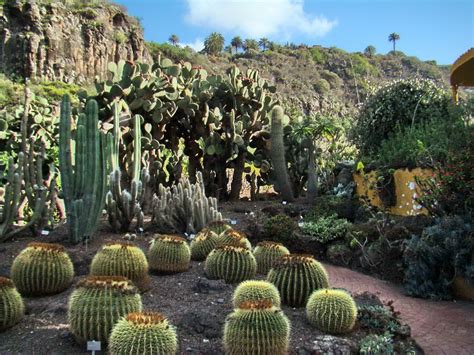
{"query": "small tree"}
pixel 236 43
pixel 214 44
pixel 370 51
pixel 393 37
pixel 264 43
pixel 174 39
pixel 250 44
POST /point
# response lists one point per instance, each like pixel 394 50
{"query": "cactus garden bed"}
pixel 195 305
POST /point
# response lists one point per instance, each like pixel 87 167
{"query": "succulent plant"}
pixel 255 290
pixel 11 197
pixel 42 269
pixel 266 253
pixel 143 333
pixel 169 253
pixel 12 307
pixel 256 327
pixel 202 244
pixel 234 237
pixel 98 303
pixel 296 277
pixel 230 263
pixel 331 311
pixel 84 182
pixel 218 227
pixel 122 259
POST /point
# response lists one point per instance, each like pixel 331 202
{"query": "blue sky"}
pixel 429 29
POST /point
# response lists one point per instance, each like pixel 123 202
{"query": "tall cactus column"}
pixel 84 170
pixel 278 155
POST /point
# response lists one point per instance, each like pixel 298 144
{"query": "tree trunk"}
pixel 236 186
pixel 312 174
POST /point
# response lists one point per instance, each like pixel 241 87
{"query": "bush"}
pixel 280 228
pixel 317 54
pixel 321 86
pixel 326 229
pixel 443 251
pixel 376 344
pixel 396 106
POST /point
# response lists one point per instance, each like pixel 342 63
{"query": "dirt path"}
pixel 439 327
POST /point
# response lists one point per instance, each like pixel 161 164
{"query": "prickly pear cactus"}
pixel 169 253
pixel 42 269
pixel 256 327
pixel 97 304
pixel 122 259
pixel 12 307
pixel 255 290
pixel 218 227
pixel 296 277
pixel 230 263
pixel 234 237
pixel 143 333
pixel 202 244
pixel 332 311
pixel 266 253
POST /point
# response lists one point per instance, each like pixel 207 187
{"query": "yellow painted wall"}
pixel 406 190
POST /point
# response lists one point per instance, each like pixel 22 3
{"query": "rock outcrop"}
pixel 67 43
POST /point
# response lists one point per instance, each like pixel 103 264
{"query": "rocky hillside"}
pixel 71 43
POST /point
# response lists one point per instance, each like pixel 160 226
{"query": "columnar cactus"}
pixel 42 269
pixel 184 207
pixel 122 259
pixel 282 180
pixel 97 304
pixel 296 277
pixel 332 311
pixel 256 327
pixel 218 227
pixel 143 333
pixel 230 263
pixel 202 244
pixel 255 290
pixel 11 197
pixel 12 307
pixel 84 183
pixel 266 253
pixel 234 237
pixel 123 205
pixel 169 253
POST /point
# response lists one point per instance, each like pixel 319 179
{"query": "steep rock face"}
pixel 59 42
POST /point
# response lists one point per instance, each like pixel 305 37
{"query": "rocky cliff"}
pixel 67 43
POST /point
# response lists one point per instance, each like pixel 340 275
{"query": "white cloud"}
pixel 197 45
pixel 257 18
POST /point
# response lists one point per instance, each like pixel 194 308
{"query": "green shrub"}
pixel 332 78
pixel 318 55
pixel 280 228
pixel 321 86
pixel 376 344
pixel 326 229
pixel 324 206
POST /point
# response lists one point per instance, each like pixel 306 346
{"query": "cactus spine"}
pixel 266 253
pixel 296 277
pixel 230 263
pixel 84 183
pixel 169 253
pixel 255 290
pixel 122 259
pixel 202 245
pixel 256 327
pixel 184 207
pixel 12 307
pixel 97 303
pixel 332 311
pixel 143 333
pixel 42 269
pixel 233 237
pixel 278 155
pixel 124 206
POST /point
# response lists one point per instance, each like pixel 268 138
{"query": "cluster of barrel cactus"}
pixel 266 253
pixel 42 269
pixel 169 253
pixel 12 307
pixel 254 290
pixel 97 304
pixel 296 277
pixel 143 333
pixel 230 263
pixel 122 259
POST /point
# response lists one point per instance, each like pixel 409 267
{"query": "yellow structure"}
pixel 462 72
pixel 406 190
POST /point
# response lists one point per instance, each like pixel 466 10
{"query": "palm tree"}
pixel 250 44
pixel 393 37
pixel 264 43
pixel 370 51
pixel 214 44
pixel 236 43
pixel 174 39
